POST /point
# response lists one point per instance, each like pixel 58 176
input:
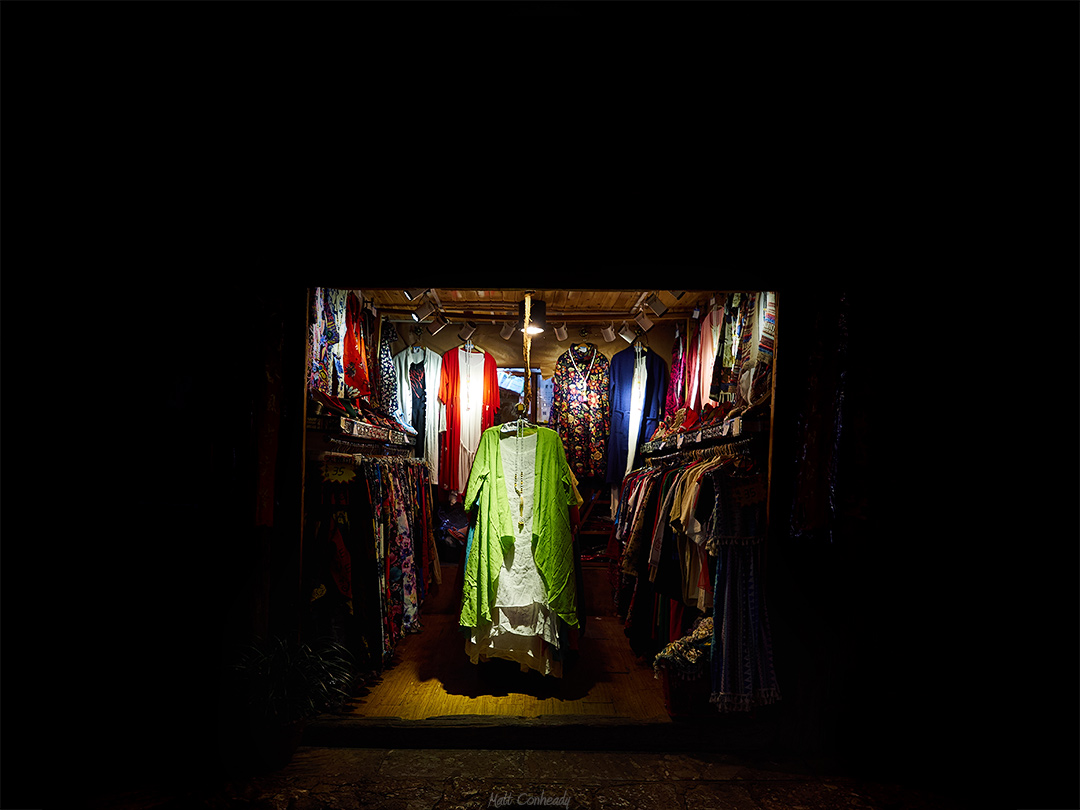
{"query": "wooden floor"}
pixel 432 677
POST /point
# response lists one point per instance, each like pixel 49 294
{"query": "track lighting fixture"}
pixel 656 305
pixel 412 293
pixel 560 332
pixel 438 324
pixel 507 330
pixel 466 330
pixel 643 321
pixel 423 311
pixel 626 333
pixel 608 332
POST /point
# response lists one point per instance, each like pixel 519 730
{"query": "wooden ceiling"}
pixel 571 306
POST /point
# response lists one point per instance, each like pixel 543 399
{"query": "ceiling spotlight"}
pixel 626 333
pixel 507 330
pixel 560 332
pixel 656 305
pixel 423 311
pixel 676 294
pixel 608 332
pixel 643 321
pixel 412 293
pixel 467 330
pixel 537 317
pixel 438 324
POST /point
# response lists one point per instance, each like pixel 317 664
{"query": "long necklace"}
pixel 519 475
pixel 468 380
pixel 584 377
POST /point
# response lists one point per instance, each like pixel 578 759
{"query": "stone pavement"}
pixel 467 779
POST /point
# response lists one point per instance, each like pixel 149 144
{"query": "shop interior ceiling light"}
pixel 627 333
pixel 560 332
pixel 537 317
pixel 608 332
pixel 643 321
pixel 466 330
pixel 507 330
pixel 423 311
pixel 438 324
pixel 412 293
pixel 654 303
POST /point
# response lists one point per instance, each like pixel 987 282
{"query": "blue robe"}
pixel 622 379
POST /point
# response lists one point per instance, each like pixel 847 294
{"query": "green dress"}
pixel 552 543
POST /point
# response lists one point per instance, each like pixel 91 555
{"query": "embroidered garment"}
pixel 580 408
pixel 469 392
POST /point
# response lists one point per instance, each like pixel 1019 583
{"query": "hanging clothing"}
pixel 354 352
pixel 388 383
pixel 693 366
pixel 370 553
pixel 499 522
pixel 580 408
pixel 469 392
pixel 709 341
pixel 522 626
pixel 335 304
pixel 676 391
pixel 419 373
pixel 635 409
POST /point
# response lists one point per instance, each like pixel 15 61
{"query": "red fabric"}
pixel 450 396
pixel 354 353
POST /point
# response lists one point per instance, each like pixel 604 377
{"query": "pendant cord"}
pixel 527 348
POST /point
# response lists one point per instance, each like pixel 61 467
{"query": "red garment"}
pixel 693 366
pixel 354 353
pixel 450 397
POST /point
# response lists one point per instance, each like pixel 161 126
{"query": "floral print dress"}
pixel 580 408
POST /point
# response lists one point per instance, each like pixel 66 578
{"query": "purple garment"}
pixel 676 392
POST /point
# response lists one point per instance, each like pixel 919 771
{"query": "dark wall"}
pixel 893 612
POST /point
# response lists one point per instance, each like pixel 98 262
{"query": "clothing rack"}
pixel 342 446
pixel 736 448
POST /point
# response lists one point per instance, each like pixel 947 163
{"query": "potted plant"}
pixel 284 685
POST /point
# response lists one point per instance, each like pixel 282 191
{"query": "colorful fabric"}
pixel 580 408
pixel 322 363
pixel 687 657
pixel 354 352
pixel 388 383
pixel 676 390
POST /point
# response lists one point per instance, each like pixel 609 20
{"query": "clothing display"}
pixel 520 588
pixel 469 392
pixel 580 408
pixel 639 379
pixel 419 372
pixel 675 430
pixel 691 528
pixel 354 352
pixel 371 557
